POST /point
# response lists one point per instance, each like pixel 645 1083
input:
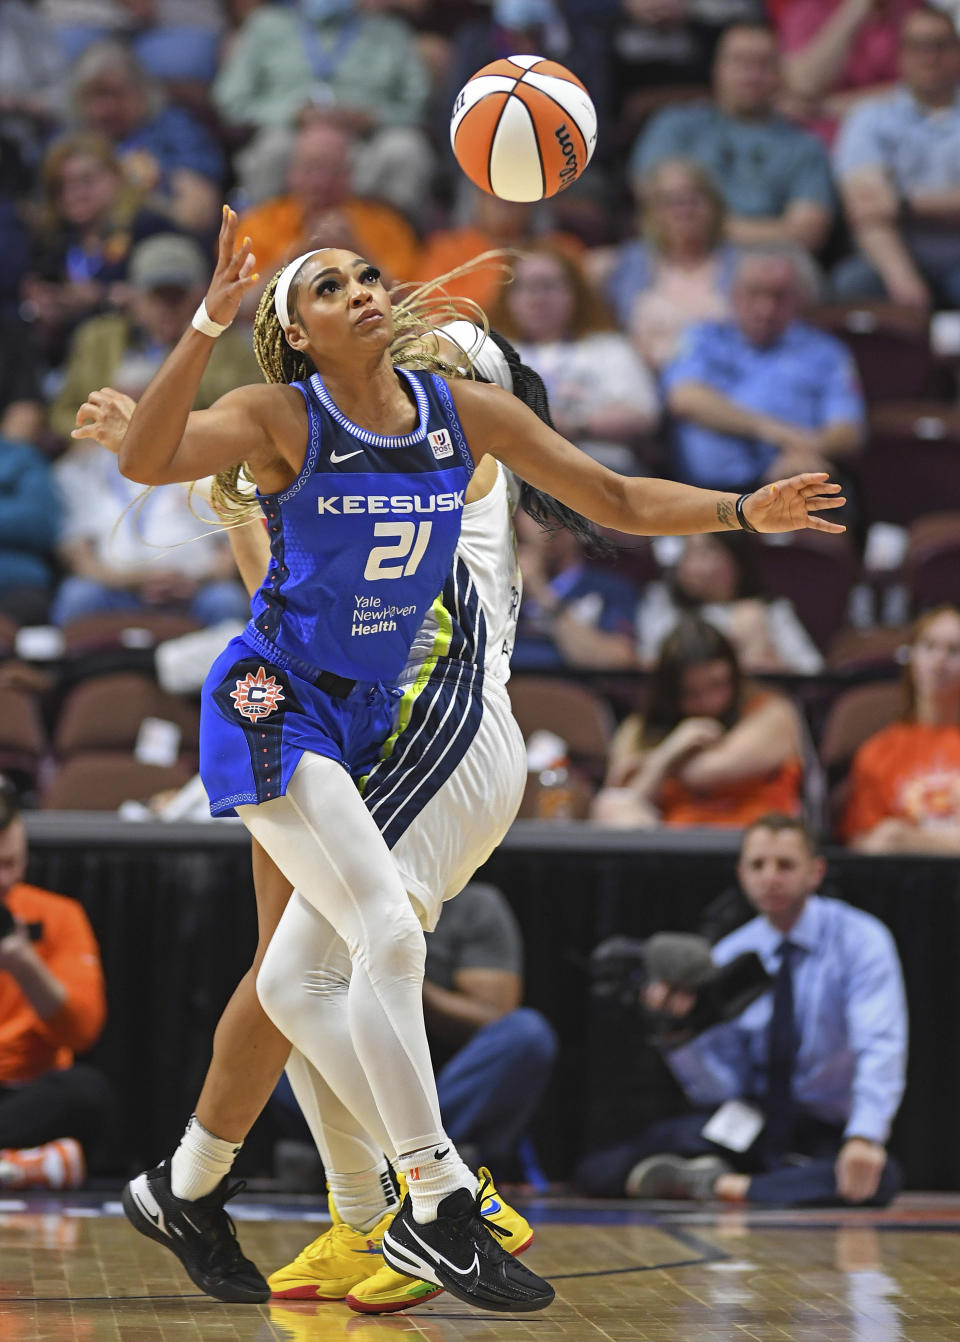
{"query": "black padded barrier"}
pixel 172 906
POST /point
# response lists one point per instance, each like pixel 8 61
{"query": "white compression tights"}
pixel 322 838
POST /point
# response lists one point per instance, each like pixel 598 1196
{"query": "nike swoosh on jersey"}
pixel 439 1258
pixel 345 456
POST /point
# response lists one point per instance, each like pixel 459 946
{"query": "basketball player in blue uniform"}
pixel 428 793
pixel 302 702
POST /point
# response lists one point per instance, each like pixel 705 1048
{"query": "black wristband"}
pixel 745 523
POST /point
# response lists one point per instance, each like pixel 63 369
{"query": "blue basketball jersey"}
pixel 363 540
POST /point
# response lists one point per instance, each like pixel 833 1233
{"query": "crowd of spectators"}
pixel 759 166
pixel 771 180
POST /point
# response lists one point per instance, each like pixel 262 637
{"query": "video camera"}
pixel 621 967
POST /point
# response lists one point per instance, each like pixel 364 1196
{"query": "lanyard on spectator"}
pixel 82 265
pixel 324 61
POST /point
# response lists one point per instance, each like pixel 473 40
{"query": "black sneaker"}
pixel 200 1233
pixel 458 1252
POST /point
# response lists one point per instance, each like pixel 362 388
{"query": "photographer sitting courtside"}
pixel 52 1005
pixel 793 1099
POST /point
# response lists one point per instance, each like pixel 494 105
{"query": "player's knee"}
pixel 276 991
pixel 395 949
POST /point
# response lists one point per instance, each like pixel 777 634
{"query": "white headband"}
pixel 284 282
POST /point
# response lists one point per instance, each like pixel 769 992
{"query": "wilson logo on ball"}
pixel 523 128
pixel 571 171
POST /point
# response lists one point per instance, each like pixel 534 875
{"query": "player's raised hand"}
pixel 792 505
pixel 104 417
pixel 234 273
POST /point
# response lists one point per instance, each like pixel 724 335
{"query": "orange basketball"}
pixel 523 128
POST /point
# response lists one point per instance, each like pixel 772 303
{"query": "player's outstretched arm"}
pixel 165 442
pixel 105 416
pixel 498 423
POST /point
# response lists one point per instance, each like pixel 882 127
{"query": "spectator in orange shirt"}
pixel 492 224
pixel 320 209
pixel 52 1006
pixel 905 781
pixel 710 748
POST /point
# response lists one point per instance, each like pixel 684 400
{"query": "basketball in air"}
pixel 523 128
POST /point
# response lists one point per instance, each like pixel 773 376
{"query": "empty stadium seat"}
pixel 576 714
pixel 891 345
pixel 106 713
pixel 123 629
pixel 102 780
pixel 932 565
pixel 8 635
pixel 855 715
pixel 911 465
pixel 571 710
pixel 867 649
pixel 23 740
pixel 816 571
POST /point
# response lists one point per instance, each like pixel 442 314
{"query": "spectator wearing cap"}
pixel 118 556
pixel 762 395
pixel 897 160
pixel 775 178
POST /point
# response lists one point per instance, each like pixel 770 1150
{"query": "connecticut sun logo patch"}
pixel 256 696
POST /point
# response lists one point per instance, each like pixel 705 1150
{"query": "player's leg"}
pixel 324 840
pixel 181 1203
pixel 362 1196
pixel 249 1052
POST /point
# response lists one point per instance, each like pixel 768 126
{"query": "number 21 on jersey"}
pixel 402 559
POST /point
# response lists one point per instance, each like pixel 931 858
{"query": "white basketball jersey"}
pixel 475 617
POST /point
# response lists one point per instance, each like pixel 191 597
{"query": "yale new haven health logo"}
pixel 442 443
pixel 256 696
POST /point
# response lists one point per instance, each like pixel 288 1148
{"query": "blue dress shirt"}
pixel 807 378
pixel 851 1016
pixel 919 147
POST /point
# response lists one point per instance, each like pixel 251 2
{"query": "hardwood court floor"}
pixel 73 1269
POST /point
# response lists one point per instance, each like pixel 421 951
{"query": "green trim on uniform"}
pixel 441 646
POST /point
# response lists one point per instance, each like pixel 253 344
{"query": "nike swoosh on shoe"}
pixel 437 1257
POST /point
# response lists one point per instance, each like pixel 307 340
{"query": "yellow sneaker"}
pixel 387 1290
pixel 336 1262
pixel 519 1234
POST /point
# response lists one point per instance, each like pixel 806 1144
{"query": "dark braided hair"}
pixel 547 511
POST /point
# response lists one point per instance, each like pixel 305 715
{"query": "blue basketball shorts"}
pixel 257 719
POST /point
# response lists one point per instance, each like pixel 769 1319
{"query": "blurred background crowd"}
pixel 759 274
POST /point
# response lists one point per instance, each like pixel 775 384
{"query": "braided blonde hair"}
pixel 417 310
